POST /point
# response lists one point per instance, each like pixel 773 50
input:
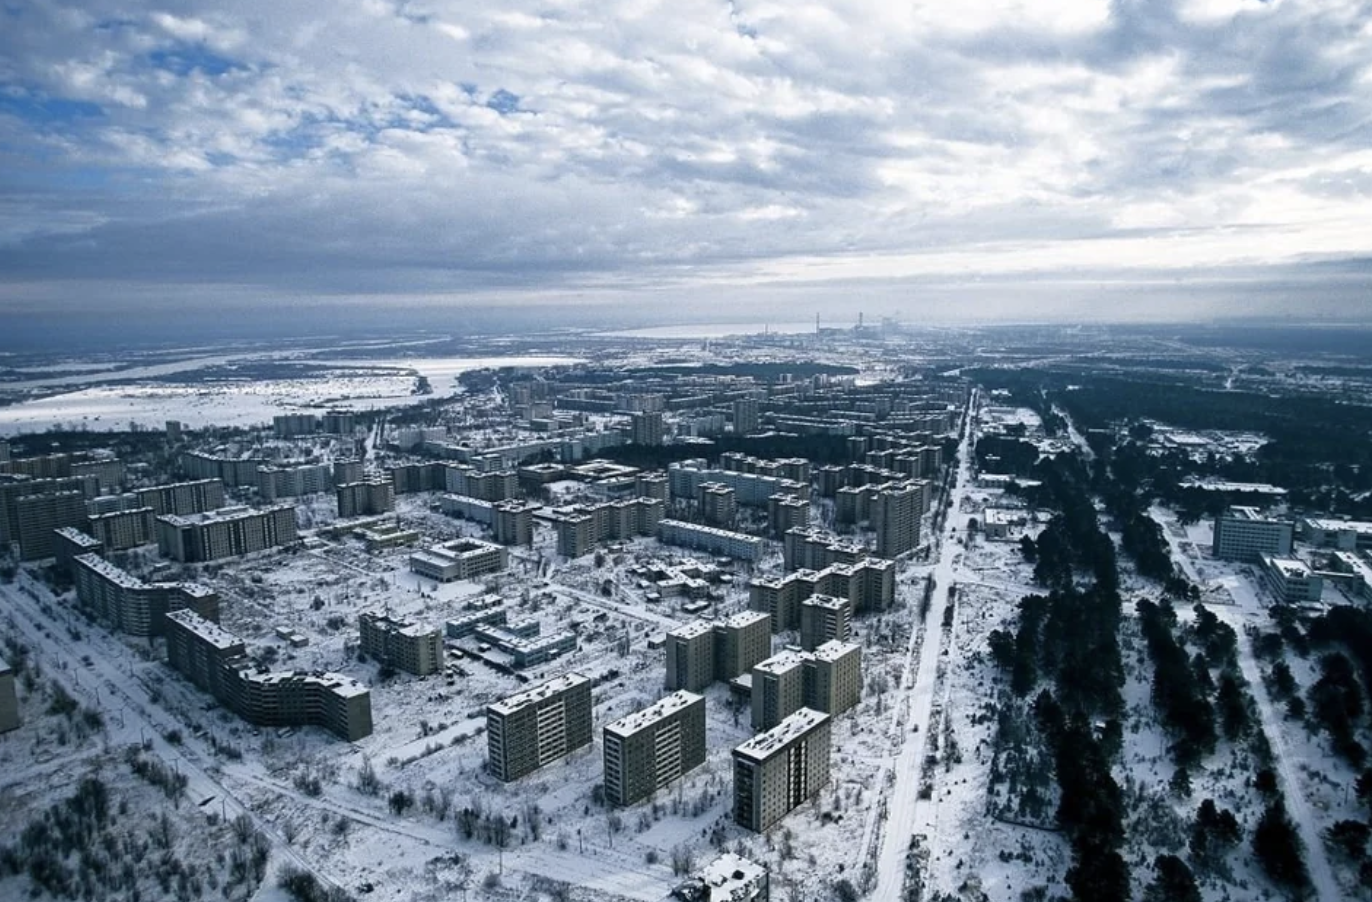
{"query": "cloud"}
pixel 436 148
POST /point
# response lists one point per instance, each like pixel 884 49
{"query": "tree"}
pixel 1350 837
pixel 1173 882
pixel 400 802
pixel 1028 549
pixel 1279 849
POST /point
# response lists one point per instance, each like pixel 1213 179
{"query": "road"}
pixel 906 815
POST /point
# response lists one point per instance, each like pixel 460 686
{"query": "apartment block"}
pixel 35 516
pixel 1244 534
pixel 486 485
pixel 182 498
pixel 584 527
pixel 214 660
pixel 535 727
pixel 824 618
pixel 292 425
pixel 125 603
pixel 39 515
pixel 747 416
pixel 9 701
pixel 650 749
pixel 293 482
pixel 780 769
pixel 833 677
pixel 110 474
pixel 121 530
pixel 228 532
pixel 405 646
pixel 718 506
pixel 895 515
pixel 70 543
pixel 232 471
pixel 347 470
pixel 459 559
pixel 709 539
pixel 785 513
pixel 813 549
pixel 741 641
pixel 367 498
pixel 778 689
pixel 513 522
pixel 646 428
pixel 691 656
pixel 869 585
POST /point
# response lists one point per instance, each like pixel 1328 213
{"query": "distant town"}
pixel 869 612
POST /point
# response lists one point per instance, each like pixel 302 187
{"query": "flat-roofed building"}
pixel 778 689
pixel 459 559
pixel 833 677
pixel 70 543
pixel 347 470
pixel 410 647
pixel 718 505
pixel 367 498
pixel 125 603
pixel 229 532
pixel 202 651
pixel 291 425
pixel 691 656
pixel 294 481
pixel 513 522
pixel 583 527
pixel 824 618
pixel 895 514
pixel 9 701
pixel 785 513
pixel 533 728
pixel 649 749
pixel 780 769
pixel 182 498
pixel 1244 534
pixel 1345 535
pixel 1291 581
pixel 39 515
pixel 121 530
pixel 742 640
pixel 706 538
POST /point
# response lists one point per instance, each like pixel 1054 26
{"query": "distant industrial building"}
pixel 1244 534
pixel 127 604
pixel 718 506
pixel 229 532
pixel 459 559
pixel 780 769
pixel 214 660
pixel 535 727
pixel 405 646
pixel 649 749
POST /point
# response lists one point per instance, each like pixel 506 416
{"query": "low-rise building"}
pixel 649 749
pixel 533 728
pixel 1244 534
pixel 776 771
pixel 459 559
pixel 1291 581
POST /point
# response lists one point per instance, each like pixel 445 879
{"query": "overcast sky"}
pixel 976 158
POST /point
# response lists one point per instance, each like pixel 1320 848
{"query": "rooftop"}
pixel 765 745
pixel 780 662
pixel 691 630
pixel 1357 526
pixel 211 632
pixel 632 723
pixel 104 568
pixel 827 602
pixel 223 515
pixel 834 650
pixel 538 693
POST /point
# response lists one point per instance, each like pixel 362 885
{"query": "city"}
pixel 854 612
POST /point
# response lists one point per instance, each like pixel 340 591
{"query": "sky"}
pixel 684 159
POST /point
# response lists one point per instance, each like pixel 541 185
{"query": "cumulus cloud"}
pixel 434 148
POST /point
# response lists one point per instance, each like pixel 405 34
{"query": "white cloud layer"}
pixel 442 148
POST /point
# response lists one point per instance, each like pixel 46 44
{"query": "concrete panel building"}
pixel 182 498
pixel 747 416
pixel 535 727
pixel 649 749
pixel 715 541
pixel 9 701
pixel 513 522
pixel 778 689
pixel 646 428
pixel 293 482
pixel 459 559
pixel 741 641
pixel 125 603
pixel 121 530
pixel 780 769
pixel 70 543
pixel 410 647
pixel 824 618
pixel 1244 534
pixel 895 514
pixel 691 656
pixel 833 677
pixel 229 532
pixel 366 498
pixel 39 515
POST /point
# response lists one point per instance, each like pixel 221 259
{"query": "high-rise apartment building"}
pixel 367 498
pixel 833 677
pixel 125 603
pixel 741 641
pixel 229 532
pixel 9 701
pixel 895 513
pixel 691 656
pixel 646 428
pixel 410 647
pixel 718 505
pixel 535 727
pixel 778 689
pixel 746 416
pixel 702 651
pixel 121 530
pixel 785 513
pixel 39 515
pixel 824 618
pixel 649 749
pixel 778 770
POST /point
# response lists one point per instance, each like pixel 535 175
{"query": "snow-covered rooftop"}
pixel 764 745
pixel 538 693
pixel 630 724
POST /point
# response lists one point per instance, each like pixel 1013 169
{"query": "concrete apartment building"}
pixel 580 530
pixel 751 489
pixel 824 618
pixel 9 701
pixel 347 470
pixel 121 530
pixel 127 604
pixel 718 505
pixel 486 485
pixel 232 471
pixel 366 498
pixel 778 689
pixel 785 513
pixel 513 522
pixel 1244 534
pixel 747 416
pixel 780 769
pixel 410 647
pixel 535 727
pixel 703 651
pixel 38 516
pixel 869 585
pixel 459 559
pixel 293 425
pixel 182 498
pixel 649 749
pixel 740 546
pixel 833 677
pixel 229 532
pixel 293 482
pixel 70 543
pixel 214 660
pixel 813 549
pixel 646 428
pixel 895 516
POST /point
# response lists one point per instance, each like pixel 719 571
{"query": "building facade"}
pixel 459 559
pixel 1244 534
pixel 649 749
pixel 535 727
pixel 229 532
pixel 780 769
pixel 824 618
pixel 126 604
pixel 410 647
